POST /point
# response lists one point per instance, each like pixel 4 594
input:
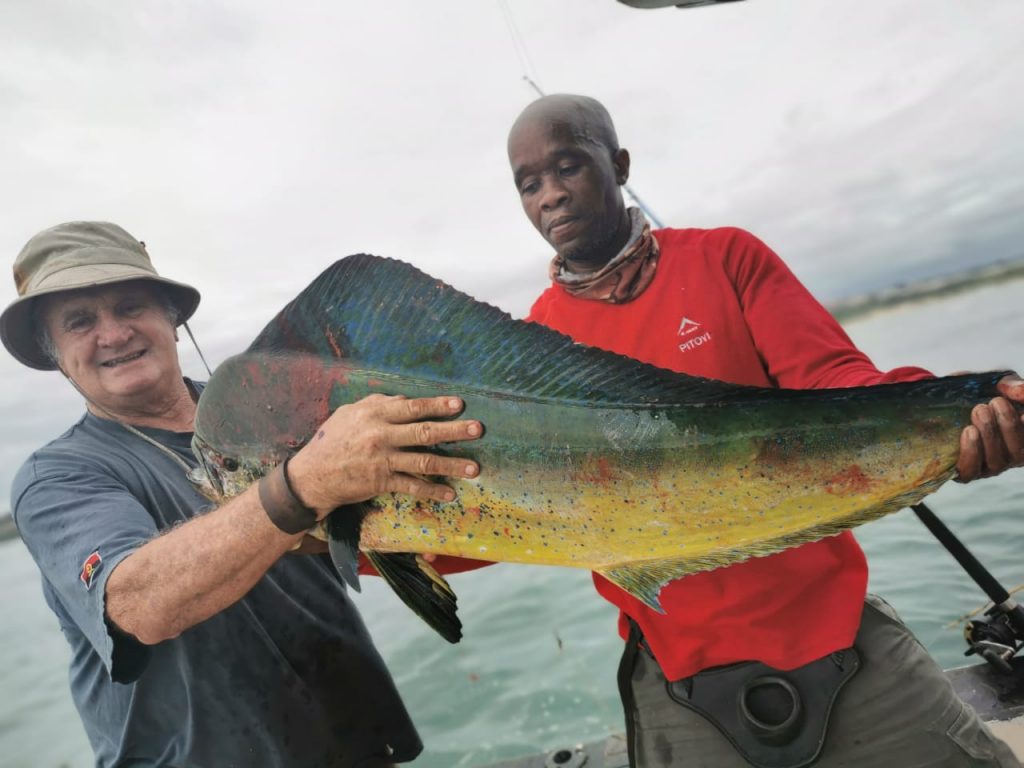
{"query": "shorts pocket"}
pixel 971 735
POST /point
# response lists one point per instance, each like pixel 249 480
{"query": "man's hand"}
pixel 995 440
pixel 360 452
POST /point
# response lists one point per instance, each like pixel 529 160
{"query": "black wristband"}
pixel 281 504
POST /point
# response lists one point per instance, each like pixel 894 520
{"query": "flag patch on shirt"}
pixel 90 568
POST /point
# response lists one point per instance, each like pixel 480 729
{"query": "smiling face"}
pixel 117 343
pixel 569 182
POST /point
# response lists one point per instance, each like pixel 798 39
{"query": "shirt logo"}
pixel 687 326
pixel 687 329
pixel 90 568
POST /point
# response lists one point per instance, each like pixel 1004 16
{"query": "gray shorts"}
pixel 898 711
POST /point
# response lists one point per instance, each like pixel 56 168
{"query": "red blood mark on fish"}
pixel 256 373
pixel 851 480
pixel 423 513
pixel 601 474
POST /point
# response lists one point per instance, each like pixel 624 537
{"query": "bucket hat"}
pixel 79 254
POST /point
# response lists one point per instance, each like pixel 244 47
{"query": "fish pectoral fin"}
pixel 421 588
pixel 643 579
pixel 343 527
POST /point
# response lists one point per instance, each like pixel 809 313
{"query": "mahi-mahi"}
pixel 589 459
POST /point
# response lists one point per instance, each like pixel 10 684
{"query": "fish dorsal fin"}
pixel 389 316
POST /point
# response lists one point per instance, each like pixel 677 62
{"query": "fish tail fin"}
pixel 343 528
pixel 421 588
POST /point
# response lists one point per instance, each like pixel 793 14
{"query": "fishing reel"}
pixel 999 637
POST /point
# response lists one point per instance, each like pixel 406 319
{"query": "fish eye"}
pixel 230 465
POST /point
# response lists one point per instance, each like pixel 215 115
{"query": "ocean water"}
pixel 536 668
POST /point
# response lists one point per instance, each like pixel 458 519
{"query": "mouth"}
pixel 561 224
pixel 123 359
pixel 206 483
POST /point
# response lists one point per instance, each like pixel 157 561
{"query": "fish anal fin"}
pixel 421 588
pixel 644 579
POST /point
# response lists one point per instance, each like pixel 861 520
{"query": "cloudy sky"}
pixel 252 143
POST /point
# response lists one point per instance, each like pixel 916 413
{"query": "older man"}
pixel 194 639
pixel 718 303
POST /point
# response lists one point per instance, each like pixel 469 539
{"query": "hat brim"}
pixel 18 324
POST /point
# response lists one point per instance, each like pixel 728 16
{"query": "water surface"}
pixel 537 666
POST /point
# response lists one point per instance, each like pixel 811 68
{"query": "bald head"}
pixel 582 117
pixel 569 171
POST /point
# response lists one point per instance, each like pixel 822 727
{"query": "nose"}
pixel 553 194
pixel 112 331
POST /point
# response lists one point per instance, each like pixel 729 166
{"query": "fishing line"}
pixel 530 76
pixel 520 47
pixel 196 345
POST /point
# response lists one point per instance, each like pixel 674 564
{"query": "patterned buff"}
pixel 624 277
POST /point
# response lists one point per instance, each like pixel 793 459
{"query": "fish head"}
pixel 221 476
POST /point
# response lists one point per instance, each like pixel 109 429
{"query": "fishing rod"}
pixel 1000 637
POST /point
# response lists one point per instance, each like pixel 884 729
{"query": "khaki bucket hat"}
pixel 79 254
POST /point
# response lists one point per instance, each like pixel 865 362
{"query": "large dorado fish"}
pixel 589 459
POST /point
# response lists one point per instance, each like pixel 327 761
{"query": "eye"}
pixel 77 324
pixel 230 465
pixel 569 170
pixel 528 188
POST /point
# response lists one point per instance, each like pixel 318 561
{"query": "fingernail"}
pixel 449 495
pixel 473 429
pixel 454 403
pixel 471 469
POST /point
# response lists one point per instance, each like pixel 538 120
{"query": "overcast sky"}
pixel 250 144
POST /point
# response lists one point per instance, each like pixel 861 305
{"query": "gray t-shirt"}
pixel 288 676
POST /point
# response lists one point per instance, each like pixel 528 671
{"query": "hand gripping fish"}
pixel 589 459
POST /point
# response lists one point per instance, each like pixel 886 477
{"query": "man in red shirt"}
pixel 720 304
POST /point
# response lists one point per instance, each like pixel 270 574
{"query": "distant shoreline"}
pixel 934 287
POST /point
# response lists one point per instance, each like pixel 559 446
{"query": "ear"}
pixel 620 162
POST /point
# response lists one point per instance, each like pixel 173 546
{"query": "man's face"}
pixel 117 343
pixel 569 188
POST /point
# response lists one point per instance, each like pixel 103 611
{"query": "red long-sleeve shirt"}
pixel 724 306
